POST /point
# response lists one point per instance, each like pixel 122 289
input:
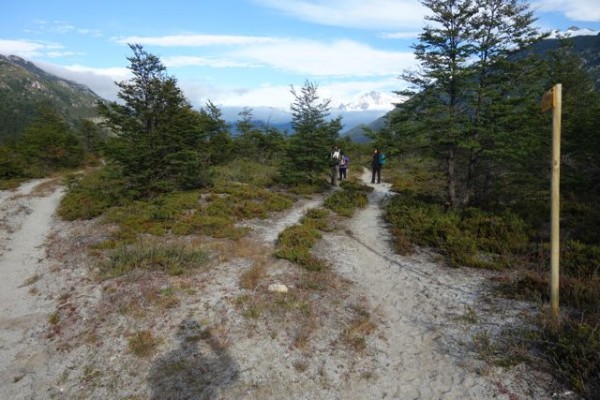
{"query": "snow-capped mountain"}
pixel 572 32
pixel 372 100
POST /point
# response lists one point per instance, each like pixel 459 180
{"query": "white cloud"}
pixel 340 58
pixel 372 14
pixel 100 80
pixel 27 48
pixel 579 10
pixel 279 96
pixel 400 35
pixel 196 40
pixel 186 61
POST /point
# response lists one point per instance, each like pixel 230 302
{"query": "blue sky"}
pixel 239 52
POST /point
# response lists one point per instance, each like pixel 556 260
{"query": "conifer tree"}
pixel 49 144
pixel 468 81
pixel 307 156
pixel 158 141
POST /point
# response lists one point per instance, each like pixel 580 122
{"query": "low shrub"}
pixel 248 171
pixel 573 349
pixel 345 202
pixel 467 238
pixel 88 196
pixel 295 242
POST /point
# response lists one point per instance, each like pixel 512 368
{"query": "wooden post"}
pixel 555 213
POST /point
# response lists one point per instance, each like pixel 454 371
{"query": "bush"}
pixel 574 350
pixel 295 242
pixel 469 238
pixel 345 202
pixel 88 196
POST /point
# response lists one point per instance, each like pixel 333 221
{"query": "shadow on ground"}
pixel 198 369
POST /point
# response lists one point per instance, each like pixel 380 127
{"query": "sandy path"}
pixel 26 217
pixel 421 347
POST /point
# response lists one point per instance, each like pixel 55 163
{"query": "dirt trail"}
pixel 420 348
pixel 423 341
pixel 26 220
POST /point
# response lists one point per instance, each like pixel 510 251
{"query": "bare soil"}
pixel 376 325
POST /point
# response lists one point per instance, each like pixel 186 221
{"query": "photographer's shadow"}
pixel 197 369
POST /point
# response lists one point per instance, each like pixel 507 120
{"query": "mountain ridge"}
pixel 24 88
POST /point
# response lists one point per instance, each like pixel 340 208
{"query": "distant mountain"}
pixel 586 44
pixel 372 101
pixel 24 87
pixel 362 110
pixel 357 133
pixel 573 32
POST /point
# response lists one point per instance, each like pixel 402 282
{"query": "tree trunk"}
pixel 451 174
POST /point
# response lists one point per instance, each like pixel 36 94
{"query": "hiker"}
pixel 376 166
pixel 344 160
pixel 334 161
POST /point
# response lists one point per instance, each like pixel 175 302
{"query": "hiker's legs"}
pixel 373 172
pixel 379 174
pixel 334 175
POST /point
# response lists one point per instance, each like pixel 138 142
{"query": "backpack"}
pixel 343 161
pixel 381 158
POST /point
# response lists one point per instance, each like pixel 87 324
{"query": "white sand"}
pixel 421 347
pixel 26 221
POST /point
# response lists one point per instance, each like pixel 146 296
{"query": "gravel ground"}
pixel 377 325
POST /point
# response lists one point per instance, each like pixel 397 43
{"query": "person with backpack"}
pixel 376 163
pixel 344 160
pixel 334 162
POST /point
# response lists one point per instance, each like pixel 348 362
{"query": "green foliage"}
pixel 247 171
pixel 345 202
pixel 307 156
pixel 469 238
pixel 573 349
pixel 173 259
pixel 295 242
pixel 12 165
pixel 159 140
pixel 259 143
pixel 89 195
pixel 474 95
pixel 48 144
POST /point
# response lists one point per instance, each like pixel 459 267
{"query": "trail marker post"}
pixel 552 100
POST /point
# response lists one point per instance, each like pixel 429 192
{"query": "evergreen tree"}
pixel 216 132
pixel 158 139
pixel 307 156
pixel 49 144
pixel 468 81
pixel 444 52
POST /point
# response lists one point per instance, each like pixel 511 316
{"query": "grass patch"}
pixel 173 259
pixel 361 326
pixel 143 343
pixel 573 349
pixel 250 278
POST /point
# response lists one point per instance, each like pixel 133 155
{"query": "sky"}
pixel 240 52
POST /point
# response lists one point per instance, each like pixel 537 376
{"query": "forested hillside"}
pixel 25 88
